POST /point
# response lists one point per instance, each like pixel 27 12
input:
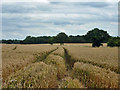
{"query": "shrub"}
pixel 114 42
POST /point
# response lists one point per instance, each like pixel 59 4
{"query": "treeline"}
pixel 47 39
pixel 11 41
pixel 95 36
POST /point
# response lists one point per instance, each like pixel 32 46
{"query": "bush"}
pixel 114 42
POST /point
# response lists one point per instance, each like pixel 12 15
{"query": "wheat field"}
pixel 59 66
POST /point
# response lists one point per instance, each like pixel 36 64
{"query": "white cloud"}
pixel 11 1
pixel 84 0
pixel 47 1
pixel 36 19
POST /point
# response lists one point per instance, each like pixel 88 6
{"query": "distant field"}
pixel 56 66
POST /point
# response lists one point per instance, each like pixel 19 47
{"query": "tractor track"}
pixel 70 62
pixel 44 56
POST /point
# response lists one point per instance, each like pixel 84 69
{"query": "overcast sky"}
pixel 50 17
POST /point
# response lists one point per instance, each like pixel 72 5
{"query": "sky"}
pixel 50 17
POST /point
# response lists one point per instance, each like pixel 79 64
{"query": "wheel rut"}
pixel 70 62
pixel 44 56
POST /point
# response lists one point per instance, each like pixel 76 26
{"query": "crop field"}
pixel 59 66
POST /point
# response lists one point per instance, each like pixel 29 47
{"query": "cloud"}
pixel 90 4
pixel 38 19
pixel 11 1
pixel 47 1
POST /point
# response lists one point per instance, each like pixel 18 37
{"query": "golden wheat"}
pixel 103 57
pixel 59 51
pixel 55 66
pixel 59 63
pixel 68 82
pixel 93 76
pixel 23 55
pixel 36 75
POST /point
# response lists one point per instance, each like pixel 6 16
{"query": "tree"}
pixel 9 41
pixel 97 37
pixel 27 40
pixel 76 39
pixel 51 40
pixel 62 38
pixel 36 40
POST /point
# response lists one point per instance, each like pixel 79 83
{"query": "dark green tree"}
pixel 27 40
pixel 51 40
pixel 97 37
pixel 9 41
pixel 76 39
pixel 62 38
